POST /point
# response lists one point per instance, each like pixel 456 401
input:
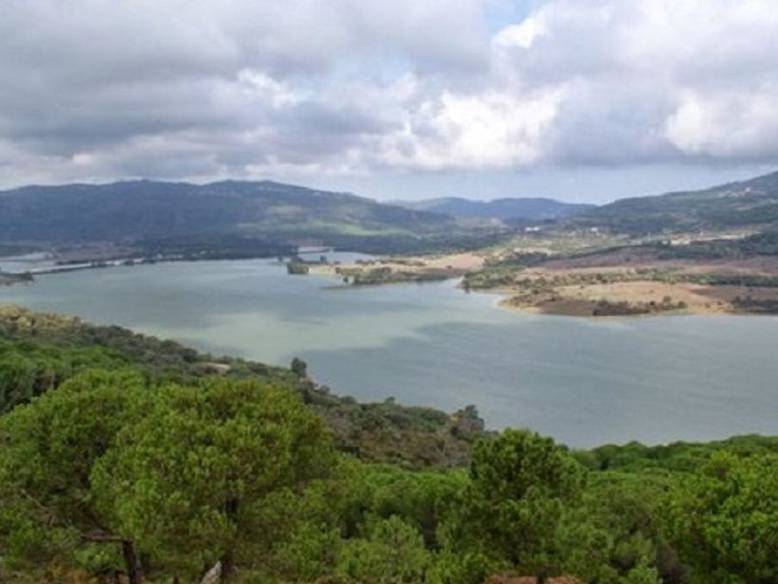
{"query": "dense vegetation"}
pixel 126 457
pixel 370 276
pixel 213 247
pixel 40 351
pixel 225 219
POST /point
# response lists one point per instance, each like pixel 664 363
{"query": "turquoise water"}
pixel 584 382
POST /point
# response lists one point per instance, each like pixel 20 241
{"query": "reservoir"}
pixel 585 382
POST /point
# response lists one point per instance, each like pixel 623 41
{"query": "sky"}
pixel 404 99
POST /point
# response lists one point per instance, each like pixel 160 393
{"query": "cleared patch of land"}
pixel 641 297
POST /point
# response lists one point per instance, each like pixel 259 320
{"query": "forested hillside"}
pixel 126 458
pixel 148 215
pixel 751 203
pixel 263 219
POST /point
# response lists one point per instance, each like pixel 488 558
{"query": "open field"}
pixel 640 297
pixel 627 278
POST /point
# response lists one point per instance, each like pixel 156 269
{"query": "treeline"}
pixel 759 244
pixel 451 240
pixel 220 246
pixel 7 279
pixel 623 308
pixel 214 246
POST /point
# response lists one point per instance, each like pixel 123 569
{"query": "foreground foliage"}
pixel 40 351
pixel 124 463
pixel 111 474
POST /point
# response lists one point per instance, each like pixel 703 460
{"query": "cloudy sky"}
pixel 583 100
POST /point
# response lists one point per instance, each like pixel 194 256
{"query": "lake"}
pixel 584 382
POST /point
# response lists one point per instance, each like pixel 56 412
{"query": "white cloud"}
pixel 196 88
pixel 652 80
pixel 260 86
pixel 474 131
pixel 521 35
pixel 726 123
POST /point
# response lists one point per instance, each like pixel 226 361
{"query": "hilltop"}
pixel 750 204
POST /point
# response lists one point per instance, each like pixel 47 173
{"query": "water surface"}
pixel 582 381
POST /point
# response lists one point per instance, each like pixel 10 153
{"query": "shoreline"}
pixel 697 300
pixel 584 310
pixel 222 363
pixel 641 298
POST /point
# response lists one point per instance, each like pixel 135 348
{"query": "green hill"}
pixel 144 211
pixel 746 204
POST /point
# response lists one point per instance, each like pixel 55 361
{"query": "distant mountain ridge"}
pixel 229 217
pixel 531 208
pixel 750 203
pixel 135 210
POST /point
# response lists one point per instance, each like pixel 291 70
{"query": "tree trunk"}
pixel 134 574
pixel 228 564
pixel 228 559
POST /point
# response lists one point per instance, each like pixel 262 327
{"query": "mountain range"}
pixel 243 213
pixel 142 209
